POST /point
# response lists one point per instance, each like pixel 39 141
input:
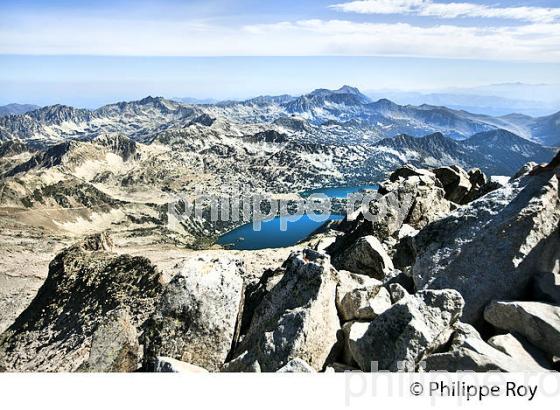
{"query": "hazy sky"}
pixel 90 53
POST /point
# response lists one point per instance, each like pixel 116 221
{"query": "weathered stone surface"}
pixel 397 292
pixel 547 287
pixel 524 170
pixel 492 247
pixel 296 319
pixel 415 201
pixel 169 365
pixel 480 185
pixel 348 281
pixel 538 322
pixel 402 278
pixel 400 336
pixel 524 354
pixel 54 333
pixel 429 205
pixel 197 317
pixel 366 257
pixel 364 304
pixel 296 366
pixel 455 182
pixel 409 170
pixel 468 352
pixel 246 362
pixel 114 345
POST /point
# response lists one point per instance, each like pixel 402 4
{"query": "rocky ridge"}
pixel 399 288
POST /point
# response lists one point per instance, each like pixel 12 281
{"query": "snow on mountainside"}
pixel 120 165
pixel 16 109
pixel 343 116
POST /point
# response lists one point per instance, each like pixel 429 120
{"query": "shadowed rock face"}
pixel 492 248
pixel 538 322
pixel 84 283
pixel 406 331
pixel 297 318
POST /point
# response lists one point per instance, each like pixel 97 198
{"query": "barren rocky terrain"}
pixel 454 266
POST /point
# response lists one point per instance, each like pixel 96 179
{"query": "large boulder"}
pixel 296 319
pixel 364 303
pixel 366 257
pixel 114 345
pixel 480 185
pixel 467 351
pixel 404 333
pixel 197 318
pixel 538 322
pixel 429 205
pixel 455 182
pixel 83 285
pixel 407 171
pixel 521 351
pixel 491 248
pixel 416 201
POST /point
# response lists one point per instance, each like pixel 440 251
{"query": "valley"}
pixel 115 172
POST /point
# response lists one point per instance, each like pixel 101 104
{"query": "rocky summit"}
pixel 451 262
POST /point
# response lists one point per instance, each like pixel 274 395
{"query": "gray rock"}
pixel 296 319
pixel 55 332
pixel 547 287
pixel 169 365
pixel 345 354
pixel 197 317
pixel 366 257
pixel 364 304
pixel 348 281
pixel 296 366
pixel 480 185
pixel 388 213
pixel 491 248
pixel 404 333
pixel 416 201
pixel 455 182
pixel 246 362
pixel 477 178
pixel 429 205
pixel 409 170
pixel 524 354
pixel 524 170
pixel 114 345
pixel 538 322
pixel 397 292
pixel 468 352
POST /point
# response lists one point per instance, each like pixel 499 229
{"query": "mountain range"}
pixel 343 116
pixel 17 109
pixel 121 165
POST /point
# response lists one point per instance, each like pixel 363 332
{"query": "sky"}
pixel 91 53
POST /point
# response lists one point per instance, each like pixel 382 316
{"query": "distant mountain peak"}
pixel 17 109
pixel 345 89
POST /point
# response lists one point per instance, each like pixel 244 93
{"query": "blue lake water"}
pixel 272 236
pixel 339 192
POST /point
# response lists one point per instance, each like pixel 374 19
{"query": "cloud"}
pixel 52 35
pixel 534 42
pixel 450 10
